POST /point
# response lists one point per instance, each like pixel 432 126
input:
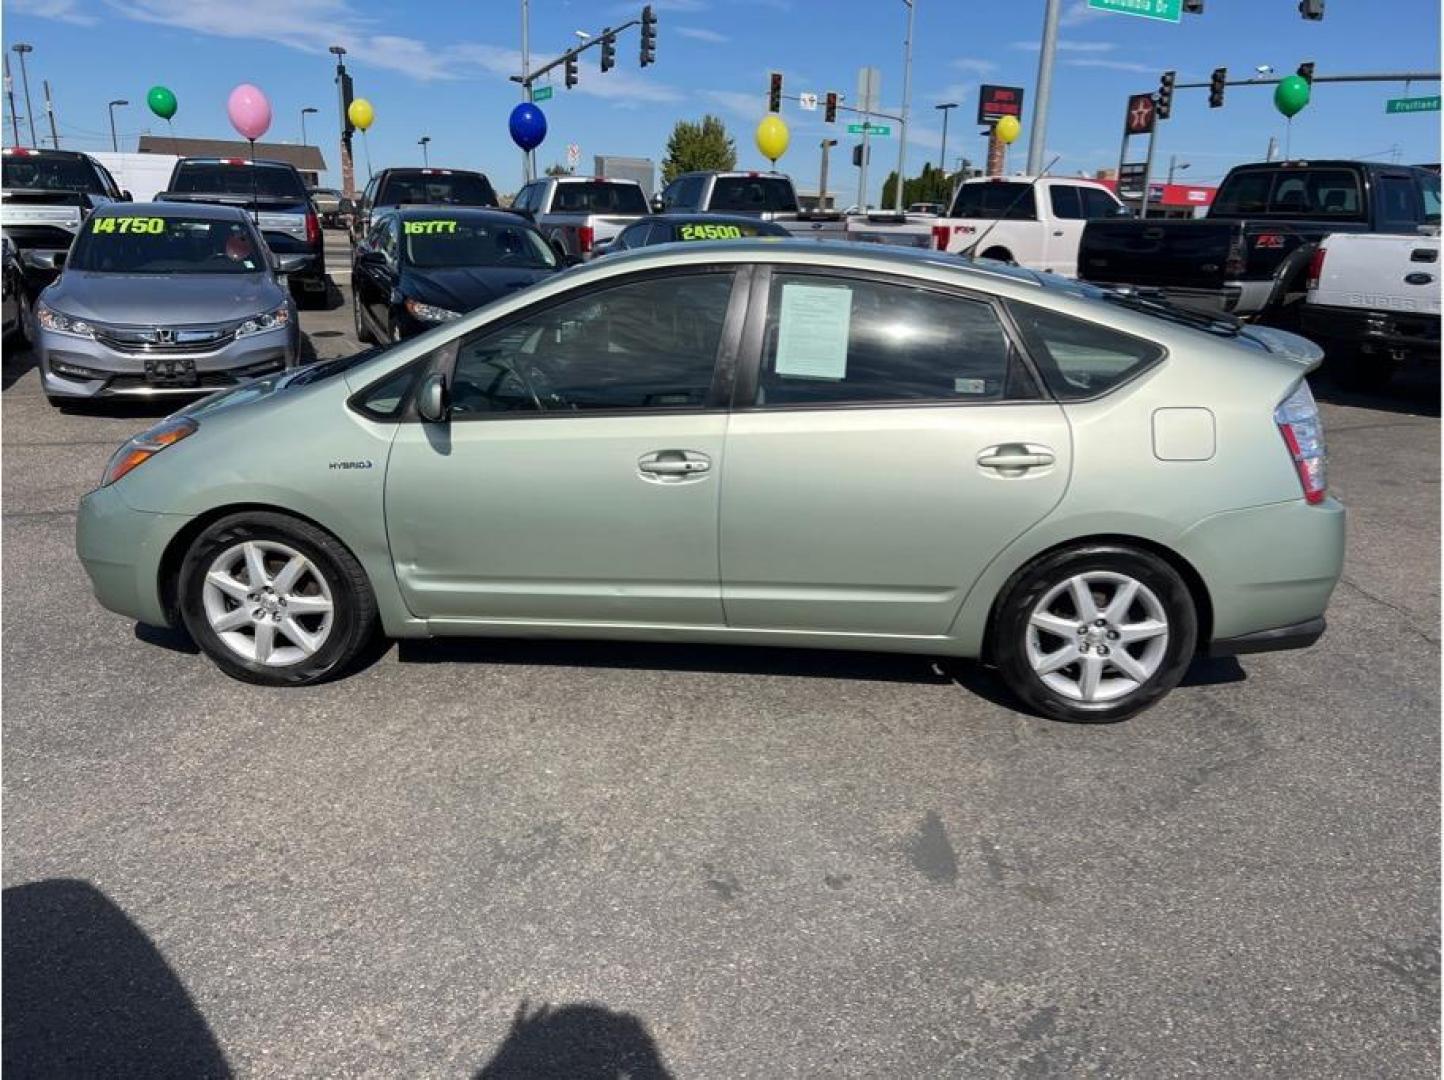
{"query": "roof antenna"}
pixel 973 247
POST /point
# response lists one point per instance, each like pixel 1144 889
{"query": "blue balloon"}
pixel 528 126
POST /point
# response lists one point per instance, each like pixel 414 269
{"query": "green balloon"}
pixel 162 101
pixel 1291 95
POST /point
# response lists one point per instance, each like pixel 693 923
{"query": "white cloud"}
pixel 1079 12
pixel 698 33
pixel 977 67
pixel 1114 65
pixel 1069 46
pixel 632 9
pixel 956 92
pixel 61 10
pixel 740 104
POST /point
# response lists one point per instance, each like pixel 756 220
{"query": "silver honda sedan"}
pixel 163 298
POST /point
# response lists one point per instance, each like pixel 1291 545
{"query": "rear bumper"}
pixel 1298 635
pixel 1416 334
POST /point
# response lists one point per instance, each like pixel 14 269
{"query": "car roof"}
pixel 41 151
pixel 592 180
pixel 205 211
pixel 253 162
pixel 429 170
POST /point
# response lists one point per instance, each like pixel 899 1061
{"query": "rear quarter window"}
pixel 1079 359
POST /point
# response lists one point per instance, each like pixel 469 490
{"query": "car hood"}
pixel 465 288
pixel 165 300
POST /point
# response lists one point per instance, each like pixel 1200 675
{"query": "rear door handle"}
pixel 1010 458
pixel 669 466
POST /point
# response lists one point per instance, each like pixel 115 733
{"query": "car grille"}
pixel 164 339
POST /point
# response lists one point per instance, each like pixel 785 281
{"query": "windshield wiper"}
pixel 1153 302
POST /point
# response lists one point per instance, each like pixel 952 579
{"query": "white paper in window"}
pixel 812 331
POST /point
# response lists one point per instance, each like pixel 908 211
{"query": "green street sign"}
pixel 1412 104
pixel 542 93
pixel 872 129
pixel 1165 10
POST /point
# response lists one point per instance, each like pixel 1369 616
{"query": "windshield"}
pixel 436 189
pixel 754 194
pixel 994 200
pixel 51 173
pixel 440 242
pixel 598 197
pixel 145 244
pixel 217 178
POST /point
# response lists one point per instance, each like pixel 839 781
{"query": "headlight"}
pixel 430 312
pixel 61 323
pixel 270 320
pixel 146 445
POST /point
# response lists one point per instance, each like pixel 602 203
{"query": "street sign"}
pixel 872 129
pixel 542 93
pixel 1138 120
pixel 996 102
pixel 869 89
pixel 1412 104
pixel 808 102
pixel 1165 10
pixel 574 156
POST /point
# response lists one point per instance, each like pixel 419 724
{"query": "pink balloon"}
pixel 249 111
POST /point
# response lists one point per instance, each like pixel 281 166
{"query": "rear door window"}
pixel 1080 359
pixel 1065 201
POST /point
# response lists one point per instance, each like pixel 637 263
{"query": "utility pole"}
pixel 21 49
pixel 307 109
pixel 114 145
pixel 945 108
pixel 902 150
pixel 528 161
pixel 1039 134
pixel 425 157
pixel 10 94
pixel 827 144
pixel 50 112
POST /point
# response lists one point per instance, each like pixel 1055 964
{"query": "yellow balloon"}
pixel 1007 129
pixel 772 137
pixel 361 113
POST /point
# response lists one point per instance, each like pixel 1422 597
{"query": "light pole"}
pixel 827 144
pixel 304 111
pixel 425 157
pixel 1173 164
pixel 21 48
pixel 1038 136
pixel 10 94
pixel 902 150
pixel 945 108
pixel 343 87
pixel 114 145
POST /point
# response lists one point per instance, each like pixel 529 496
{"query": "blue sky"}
pixel 441 68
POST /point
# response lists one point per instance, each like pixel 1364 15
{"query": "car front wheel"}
pixel 274 600
pixel 1095 634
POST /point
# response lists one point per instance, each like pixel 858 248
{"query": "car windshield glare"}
pixel 442 242
pixel 147 244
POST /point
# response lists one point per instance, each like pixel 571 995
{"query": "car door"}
pixel 577 479
pixel 386 272
pixel 888 440
pixel 1064 229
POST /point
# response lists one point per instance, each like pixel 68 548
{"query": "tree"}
pixel 556 168
pixel 932 185
pixel 693 147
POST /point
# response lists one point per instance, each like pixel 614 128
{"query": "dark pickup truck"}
pixel 1249 256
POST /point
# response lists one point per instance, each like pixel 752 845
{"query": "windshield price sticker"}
pixel 415 228
pixel 151 225
pixel 710 232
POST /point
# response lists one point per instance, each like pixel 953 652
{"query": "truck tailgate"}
pixel 1176 254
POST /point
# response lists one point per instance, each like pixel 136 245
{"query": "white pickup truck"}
pixel 1373 304
pixel 1034 222
pixel 578 214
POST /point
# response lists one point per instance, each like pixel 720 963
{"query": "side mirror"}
pixel 291 264
pixel 126 196
pixel 44 260
pixel 433 401
pixel 657 205
pixel 519 212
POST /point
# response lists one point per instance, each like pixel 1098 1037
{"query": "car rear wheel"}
pixel 1095 634
pixel 274 600
pixel 363 330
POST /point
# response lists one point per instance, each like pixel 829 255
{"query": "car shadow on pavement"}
pixel 580 1042
pixel 86 993
pixel 18 361
pixel 1411 393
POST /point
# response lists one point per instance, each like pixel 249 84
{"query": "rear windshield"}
pixel 1290 193
pixel 436 189
pixel 442 242
pixel 599 197
pixel 725 230
pixel 51 173
pixel 217 178
pixel 1010 201
pixel 145 244
pixel 753 194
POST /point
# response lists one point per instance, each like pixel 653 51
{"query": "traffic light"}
pixel 1311 9
pixel 609 50
pixel 571 78
pixel 774 93
pixel 1306 72
pixel 829 114
pixel 1193 7
pixel 649 36
pixel 1165 94
pixel 857 155
pixel 1217 81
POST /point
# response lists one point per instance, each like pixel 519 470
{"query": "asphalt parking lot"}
pixel 569 859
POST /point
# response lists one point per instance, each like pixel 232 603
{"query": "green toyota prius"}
pixel 839 446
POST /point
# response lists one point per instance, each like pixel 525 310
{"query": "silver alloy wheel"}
pixel 1097 637
pixel 268 603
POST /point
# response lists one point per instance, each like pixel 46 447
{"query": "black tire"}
pixel 1032 584
pixel 363 328
pixel 354 620
pixel 24 334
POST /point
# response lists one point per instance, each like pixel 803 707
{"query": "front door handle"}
pixel 1014 459
pixel 669 466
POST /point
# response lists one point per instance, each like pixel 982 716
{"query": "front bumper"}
pixel 77 367
pixel 121 549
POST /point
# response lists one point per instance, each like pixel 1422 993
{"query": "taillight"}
pixel 1316 267
pixel 1237 257
pixel 1303 431
pixel 941 235
pixel 313 228
pixel 586 236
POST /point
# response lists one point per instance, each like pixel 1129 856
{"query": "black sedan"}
pixel 691 228
pixel 418 267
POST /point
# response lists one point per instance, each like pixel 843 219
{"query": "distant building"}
pixel 627 168
pixel 307 159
